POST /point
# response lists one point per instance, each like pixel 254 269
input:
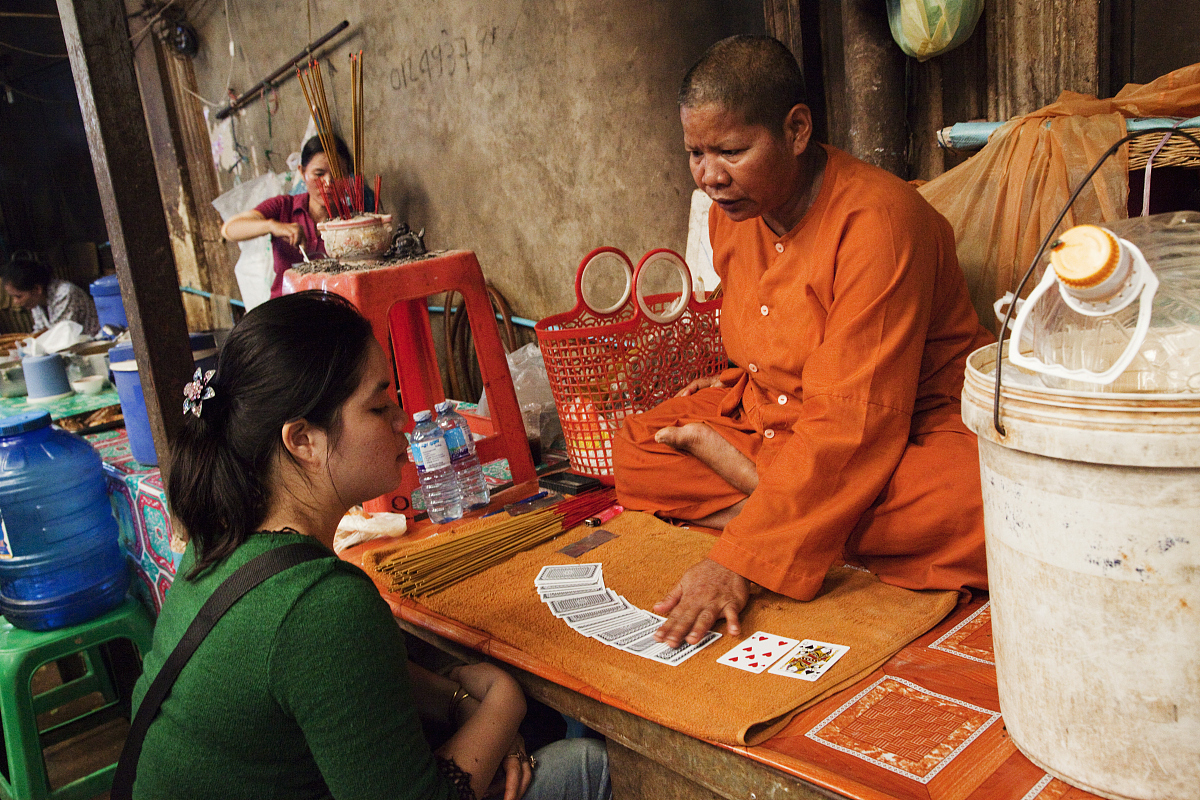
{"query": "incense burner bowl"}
pixel 358 238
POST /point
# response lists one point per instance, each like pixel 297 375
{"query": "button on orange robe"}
pixel 852 333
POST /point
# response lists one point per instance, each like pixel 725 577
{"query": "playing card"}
pixel 560 573
pixel 548 593
pixel 677 655
pixel 627 631
pixel 594 615
pixel 645 645
pixel 592 627
pixel 758 652
pixel 584 602
pixel 809 660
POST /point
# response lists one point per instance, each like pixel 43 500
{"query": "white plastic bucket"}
pixel 1092 517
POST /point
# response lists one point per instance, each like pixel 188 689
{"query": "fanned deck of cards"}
pixel 575 593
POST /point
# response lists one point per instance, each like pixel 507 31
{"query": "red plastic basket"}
pixel 606 364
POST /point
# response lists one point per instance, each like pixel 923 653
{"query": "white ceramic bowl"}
pixel 92 384
pixel 362 237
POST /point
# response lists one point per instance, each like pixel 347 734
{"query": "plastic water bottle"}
pixel 1124 313
pixel 443 499
pixel 60 560
pixel 461 445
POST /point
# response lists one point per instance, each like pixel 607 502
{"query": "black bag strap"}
pixel 245 578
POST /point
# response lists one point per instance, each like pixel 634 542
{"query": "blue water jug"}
pixel 60 560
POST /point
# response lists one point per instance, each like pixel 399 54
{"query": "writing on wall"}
pixel 448 57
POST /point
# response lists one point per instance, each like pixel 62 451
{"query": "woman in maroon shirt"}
pixel 291 220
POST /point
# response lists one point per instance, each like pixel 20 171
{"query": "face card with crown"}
pixel 758 652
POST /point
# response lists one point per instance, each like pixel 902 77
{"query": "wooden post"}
pixel 796 23
pixel 98 43
pixel 1037 50
pixel 865 84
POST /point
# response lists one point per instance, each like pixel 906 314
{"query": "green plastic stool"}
pixel 21 654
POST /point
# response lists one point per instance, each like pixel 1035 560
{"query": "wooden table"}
pixel 925 726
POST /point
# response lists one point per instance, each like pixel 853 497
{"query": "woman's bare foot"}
pixel 711 449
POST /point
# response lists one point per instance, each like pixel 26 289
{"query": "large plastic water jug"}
pixel 60 560
pixel 1117 308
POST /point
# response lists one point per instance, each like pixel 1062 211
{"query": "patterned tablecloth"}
pixel 139 502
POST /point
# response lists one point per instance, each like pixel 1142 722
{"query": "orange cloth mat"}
pixel 699 697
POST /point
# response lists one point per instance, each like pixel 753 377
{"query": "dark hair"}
pixel 755 76
pixel 314 146
pixel 24 275
pixel 299 356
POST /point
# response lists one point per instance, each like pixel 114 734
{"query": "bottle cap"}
pixel 421 416
pixel 1085 256
pixel 24 422
pixel 443 406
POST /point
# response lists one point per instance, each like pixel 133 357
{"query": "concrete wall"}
pixel 529 132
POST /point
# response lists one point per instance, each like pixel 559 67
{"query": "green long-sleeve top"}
pixel 300 691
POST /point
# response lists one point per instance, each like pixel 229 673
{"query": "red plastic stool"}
pixel 393 298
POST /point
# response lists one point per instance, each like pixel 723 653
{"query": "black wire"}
pixel 1046 241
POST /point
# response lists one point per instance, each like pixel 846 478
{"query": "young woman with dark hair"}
pixel 49 300
pixel 292 219
pixel 303 690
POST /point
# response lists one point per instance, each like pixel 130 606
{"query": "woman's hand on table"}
pixel 706 593
pixel 698 384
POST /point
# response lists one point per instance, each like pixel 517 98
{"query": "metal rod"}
pixel 269 81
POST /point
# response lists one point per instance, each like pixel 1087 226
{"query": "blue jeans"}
pixel 571 769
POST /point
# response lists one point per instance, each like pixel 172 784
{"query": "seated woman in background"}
pixel 292 219
pixel 303 688
pixel 33 287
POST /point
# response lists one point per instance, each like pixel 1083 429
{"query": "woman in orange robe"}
pixel 839 435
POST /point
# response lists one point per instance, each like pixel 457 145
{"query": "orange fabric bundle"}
pixel 1002 201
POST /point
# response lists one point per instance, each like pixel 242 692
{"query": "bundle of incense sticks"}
pixel 439 567
pixel 344 197
pixel 313 86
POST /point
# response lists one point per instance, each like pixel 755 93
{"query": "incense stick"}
pixel 439 567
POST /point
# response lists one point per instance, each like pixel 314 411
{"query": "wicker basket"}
pixel 1177 152
pixel 607 364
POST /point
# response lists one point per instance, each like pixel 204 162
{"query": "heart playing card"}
pixel 758 652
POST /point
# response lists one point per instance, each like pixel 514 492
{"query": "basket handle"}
pixel 672 259
pixel 599 257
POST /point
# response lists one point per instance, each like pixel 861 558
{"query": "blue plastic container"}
pixel 60 560
pixel 133 400
pixel 106 293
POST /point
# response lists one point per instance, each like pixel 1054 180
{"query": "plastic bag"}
pixel 1003 199
pixel 928 28
pixel 534 396
pixel 255 268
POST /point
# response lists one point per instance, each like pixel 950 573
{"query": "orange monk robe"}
pixel 853 331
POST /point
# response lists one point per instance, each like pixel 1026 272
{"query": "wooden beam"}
pixel 98 43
